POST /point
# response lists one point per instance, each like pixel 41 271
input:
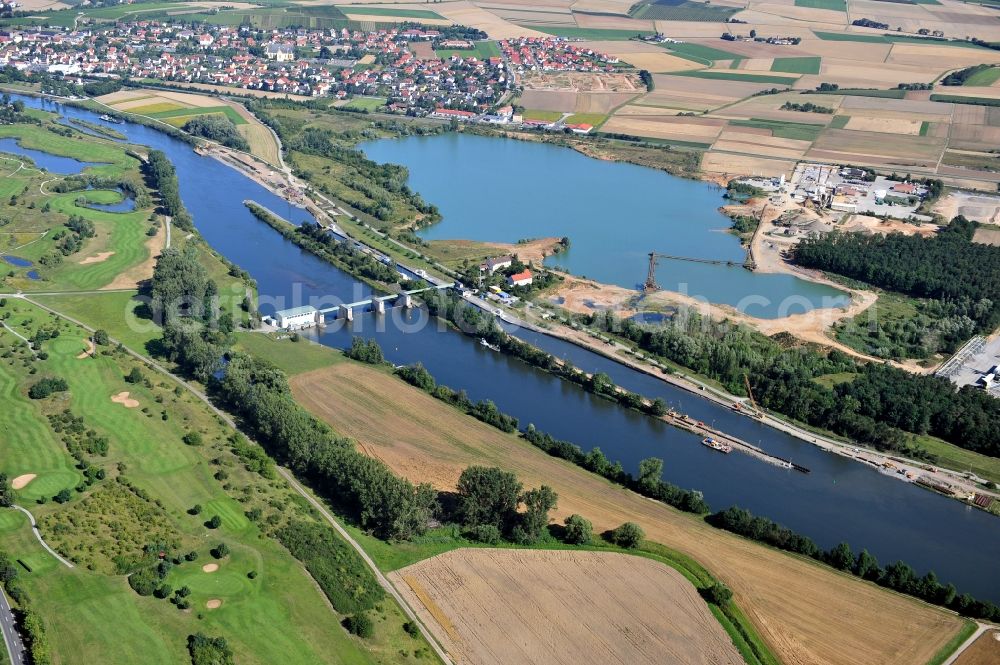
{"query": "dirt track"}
pixel 567 607
pixel 806 612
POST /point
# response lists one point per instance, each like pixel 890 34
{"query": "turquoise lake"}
pixel 504 190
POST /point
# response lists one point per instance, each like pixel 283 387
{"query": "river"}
pixel 614 214
pixel 840 500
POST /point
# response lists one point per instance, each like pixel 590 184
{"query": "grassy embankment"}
pixel 425 440
pixel 91 613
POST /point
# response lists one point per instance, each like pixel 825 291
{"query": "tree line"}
pixel 649 482
pixel 217 128
pixel 324 244
pixel 897 576
pixel 881 405
pixel 473 321
pixel 163 178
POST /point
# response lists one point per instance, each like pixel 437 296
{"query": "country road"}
pixel 11 638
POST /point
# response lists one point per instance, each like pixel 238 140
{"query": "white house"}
pixel 498 263
pixel 520 279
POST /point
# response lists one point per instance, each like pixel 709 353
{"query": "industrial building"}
pixel 297 317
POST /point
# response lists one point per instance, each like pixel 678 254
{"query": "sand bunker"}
pixel 89 352
pixel 213 604
pixel 210 567
pixel 126 401
pixel 22 481
pixel 97 258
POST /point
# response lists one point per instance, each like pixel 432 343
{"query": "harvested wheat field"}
pixel 806 612
pixel 664 127
pixel 466 13
pixel 535 606
pixel 884 125
pixel 737 165
pixel 984 651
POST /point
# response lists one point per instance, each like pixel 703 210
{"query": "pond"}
pixel 495 189
pixel 124 204
pixel 49 162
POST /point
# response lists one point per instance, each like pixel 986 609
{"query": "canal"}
pixel 840 500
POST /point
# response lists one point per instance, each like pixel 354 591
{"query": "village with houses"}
pixel 463 85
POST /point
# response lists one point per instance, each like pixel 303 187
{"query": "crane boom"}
pixel 758 413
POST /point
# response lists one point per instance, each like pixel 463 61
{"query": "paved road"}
pixel 980 629
pixel 15 647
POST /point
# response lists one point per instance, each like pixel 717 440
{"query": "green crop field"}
pixel 482 51
pixel 801 65
pixel 861 92
pixel 292 357
pixel 960 99
pixel 834 5
pixel 984 78
pixel 700 53
pixel 188 113
pixel 595 119
pixel 733 76
pixel 597 34
pixel 365 103
pixel 388 11
pixel 798 131
pixel 840 121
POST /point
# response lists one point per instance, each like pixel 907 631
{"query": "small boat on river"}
pixel 716 445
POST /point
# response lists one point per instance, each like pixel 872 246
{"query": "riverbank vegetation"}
pixel 324 244
pixel 649 482
pixel 321 145
pixel 878 405
pixel 897 576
